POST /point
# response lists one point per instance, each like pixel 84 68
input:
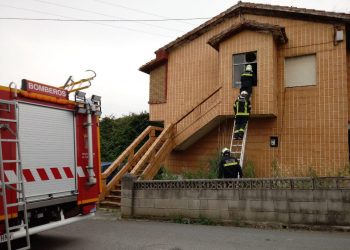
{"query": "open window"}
pixel 239 63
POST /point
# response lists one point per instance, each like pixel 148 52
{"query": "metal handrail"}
pixel 15 92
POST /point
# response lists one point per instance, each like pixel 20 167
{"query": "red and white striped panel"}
pixel 44 174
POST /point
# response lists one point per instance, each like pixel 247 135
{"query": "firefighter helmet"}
pixel 225 151
pixel 249 68
pixel 244 94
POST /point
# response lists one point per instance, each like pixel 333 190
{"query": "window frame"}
pixel 237 84
pixel 297 85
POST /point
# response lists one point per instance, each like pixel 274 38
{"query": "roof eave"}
pixel 265 10
pixel 161 58
pixel 278 32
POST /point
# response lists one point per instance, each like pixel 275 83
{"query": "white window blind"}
pixel 300 71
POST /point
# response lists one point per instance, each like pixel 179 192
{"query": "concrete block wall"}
pixel 224 201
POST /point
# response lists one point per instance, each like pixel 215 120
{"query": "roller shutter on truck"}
pixel 47 141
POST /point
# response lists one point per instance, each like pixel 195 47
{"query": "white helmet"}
pixel 225 151
pixel 244 94
pixel 249 68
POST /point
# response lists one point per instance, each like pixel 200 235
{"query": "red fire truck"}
pixel 49 158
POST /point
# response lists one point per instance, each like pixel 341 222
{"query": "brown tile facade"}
pixel 310 122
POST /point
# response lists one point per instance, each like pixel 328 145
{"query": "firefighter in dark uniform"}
pixel 241 109
pixel 229 166
pixel 248 79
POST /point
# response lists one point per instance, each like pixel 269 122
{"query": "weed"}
pixel 213 166
pixel 201 220
pixel 249 170
pixel 208 169
pixel 311 172
pixel 182 220
pixel 199 173
pixel 204 221
pixel 275 169
pixel 165 174
pixel 345 171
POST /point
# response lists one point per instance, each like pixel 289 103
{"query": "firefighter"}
pixel 241 109
pixel 248 79
pixel 229 166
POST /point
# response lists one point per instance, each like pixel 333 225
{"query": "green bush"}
pixel 116 134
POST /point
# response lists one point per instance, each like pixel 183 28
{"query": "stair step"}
pixel 113 198
pixel 109 204
pixel 116 192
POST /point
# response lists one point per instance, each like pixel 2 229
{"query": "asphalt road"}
pixel 106 231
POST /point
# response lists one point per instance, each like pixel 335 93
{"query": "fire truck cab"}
pixel 49 158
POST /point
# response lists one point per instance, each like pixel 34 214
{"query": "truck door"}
pixel 47 141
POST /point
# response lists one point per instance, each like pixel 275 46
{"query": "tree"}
pixel 118 133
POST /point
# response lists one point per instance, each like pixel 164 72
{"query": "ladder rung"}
pixel 8 120
pixel 15 204
pixel 7 102
pixel 235 152
pixel 24 248
pixel 237 145
pixel 13 182
pixel 18 227
pixel 18 190
pixel 11 161
pixel 9 140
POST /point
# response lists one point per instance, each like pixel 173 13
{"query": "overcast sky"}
pixel 50 51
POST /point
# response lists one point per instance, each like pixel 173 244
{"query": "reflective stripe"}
pixel 230 164
pixel 245 109
pixel 246 74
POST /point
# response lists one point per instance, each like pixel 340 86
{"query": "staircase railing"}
pixel 145 163
pixel 149 164
pixel 129 157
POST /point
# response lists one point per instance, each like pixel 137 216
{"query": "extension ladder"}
pixel 17 184
pixel 72 86
pixel 237 147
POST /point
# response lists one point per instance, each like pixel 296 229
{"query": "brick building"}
pixel 302 61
